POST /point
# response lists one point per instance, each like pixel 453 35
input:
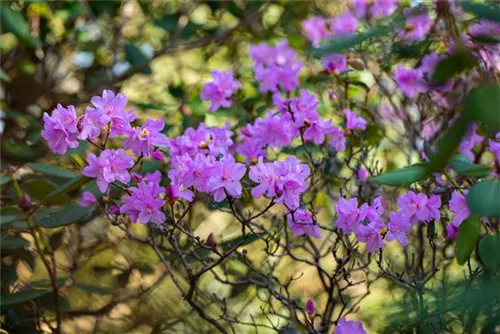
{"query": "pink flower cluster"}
pixel 111 165
pixel 63 129
pixel 373 8
pixel 368 227
pixel 349 327
pixel 220 90
pixel 318 28
pixel 276 66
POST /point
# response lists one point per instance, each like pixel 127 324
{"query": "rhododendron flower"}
pixel 310 307
pixel 144 205
pixel 335 63
pixel 471 139
pixel 292 181
pixel 383 8
pixel 418 207
pixel 301 223
pixel 337 138
pixel 398 228
pixel 495 146
pixel 371 234
pixel 451 232
pixel 226 178
pixel 264 175
pixel 276 66
pixel 417 25
pixel 349 327
pixel 458 205
pixel 87 199
pixel 315 29
pixel 144 140
pixel 110 166
pixel 110 108
pixel 344 25
pixel 60 129
pixel 362 174
pixel 409 81
pixel 219 91
pixel 354 121
pixel 349 215
pixel 304 107
pixel 316 130
pixel 274 130
pixel 89 124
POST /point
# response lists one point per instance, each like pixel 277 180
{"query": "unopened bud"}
pixel 354 63
pixel 25 202
pixel 186 110
pixel 10 169
pixel 310 308
pixel 114 209
pixel 157 155
pixel 169 195
pixel 210 240
pixel 137 177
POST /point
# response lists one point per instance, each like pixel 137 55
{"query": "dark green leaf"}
pixel 402 176
pixel 21 296
pixel 98 290
pixel 9 242
pixel 467 236
pixel 447 146
pixel 462 165
pixel 489 251
pixel 137 57
pixel 4 179
pixel 70 186
pixel 340 45
pixel 56 240
pixel 189 30
pixel 451 66
pixel 168 22
pixel 51 170
pixel 123 278
pixel 485 39
pixel 39 188
pixel 14 22
pixel 65 217
pixel 484 11
pixel 483 104
pixel 483 199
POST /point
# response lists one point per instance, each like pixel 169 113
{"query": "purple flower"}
pixel 371 234
pixel 362 174
pixel 292 181
pixel 354 121
pixel 417 26
pixel 89 124
pixel 143 140
pixel 398 228
pixel 409 81
pixel 144 205
pixel 110 166
pixel 344 25
pixel 110 108
pixel 348 214
pixel 495 146
pixel 252 149
pixel 315 29
pixel 226 178
pixel 360 8
pixel 219 91
pixel 310 307
pixel 418 207
pixel 60 129
pixel 337 139
pixel 383 8
pixel 470 141
pixel 451 232
pixel 274 130
pixel 301 223
pixel 316 130
pixel 87 199
pixel 335 63
pixel 349 327
pixel 276 66
pixel 264 175
pixel 458 205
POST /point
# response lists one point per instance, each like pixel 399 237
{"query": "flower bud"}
pixel 363 174
pixel 114 209
pixel 210 240
pixel 137 177
pixel 169 195
pixel 10 169
pixel 25 202
pixel 310 308
pixel 157 155
pixel 356 64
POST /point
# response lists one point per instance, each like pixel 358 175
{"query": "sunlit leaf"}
pixel 485 11
pixel 51 170
pixel 483 199
pixel 402 176
pixel 467 236
pixel 65 217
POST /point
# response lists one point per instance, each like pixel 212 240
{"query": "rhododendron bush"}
pixel 340 177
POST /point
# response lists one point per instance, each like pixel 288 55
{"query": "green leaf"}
pixel 402 176
pixel 98 290
pixel 449 67
pixel 483 39
pixel 22 296
pixel 69 186
pixel 14 22
pixel 483 104
pixel 447 145
pixel 340 45
pixel 462 165
pixel 4 179
pixel 189 30
pixel 10 242
pixel 8 219
pixel 137 57
pixel 489 251
pixel 65 217
pixel 39 188
pixel 4 76
pixel 483 199
pixel 467 236
pixel 51 170
pixel 484 11
pixel 168 22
